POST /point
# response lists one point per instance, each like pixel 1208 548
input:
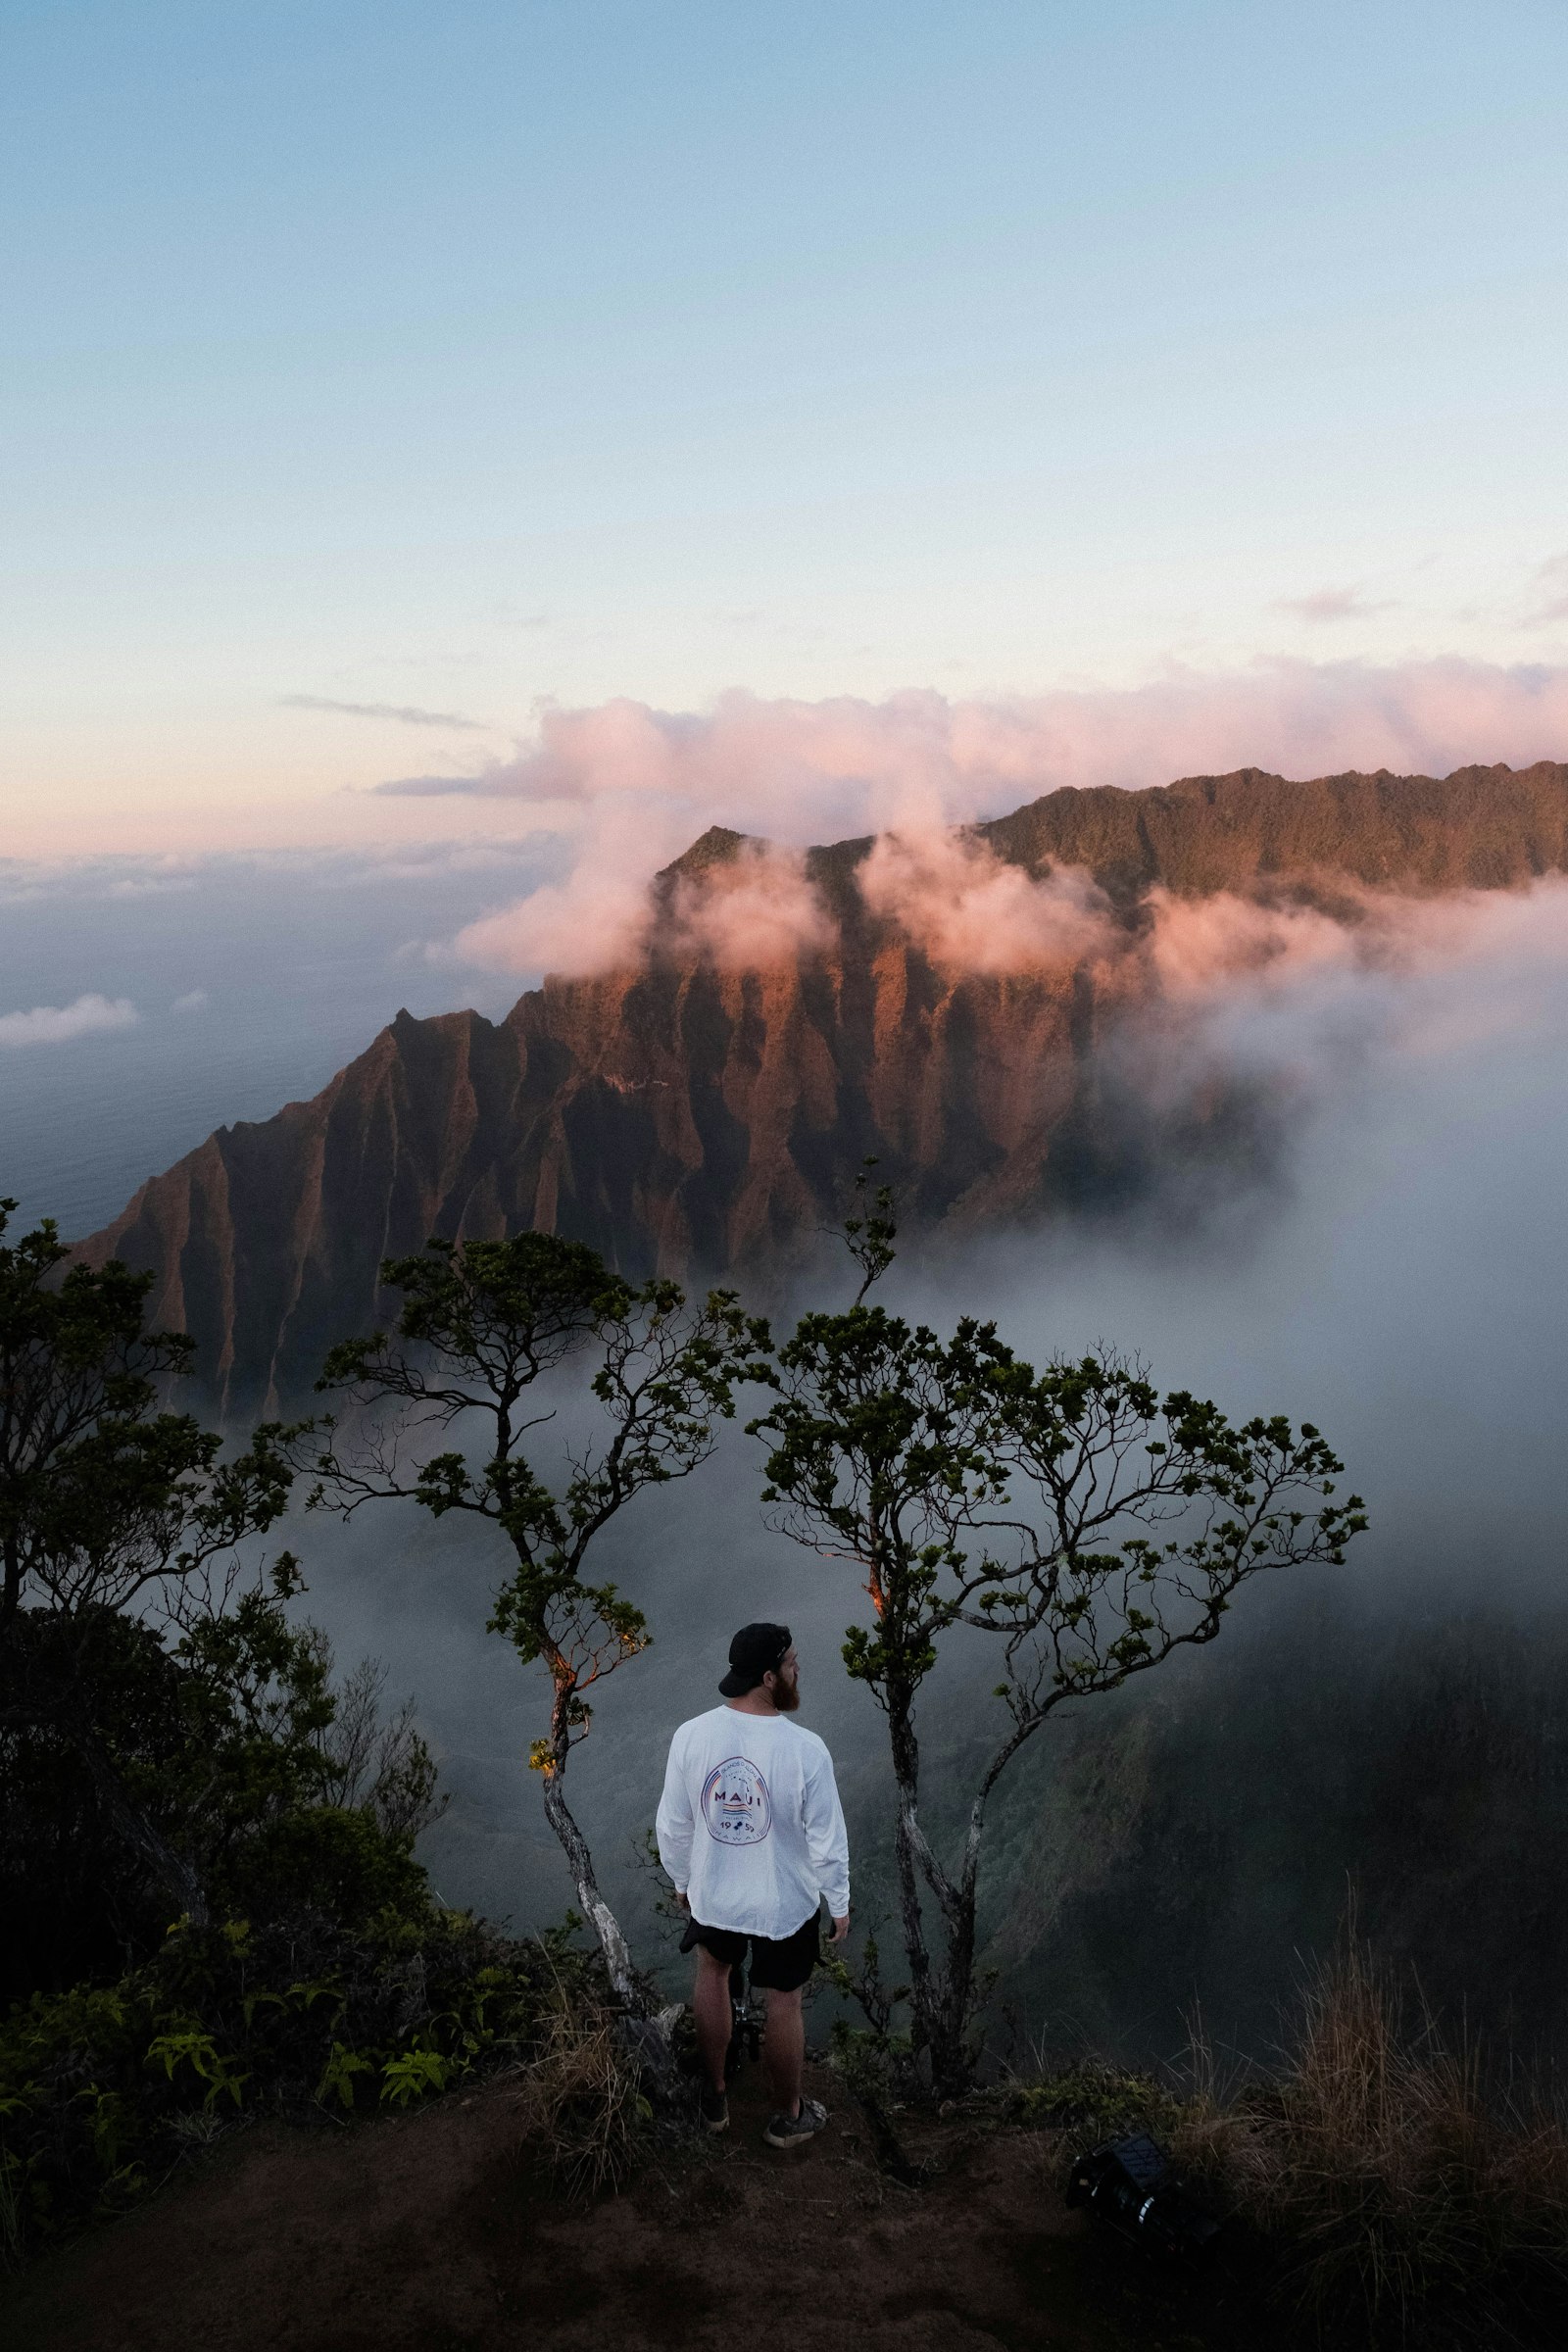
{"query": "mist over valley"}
pixel 1388 1732
pixel 1305 1158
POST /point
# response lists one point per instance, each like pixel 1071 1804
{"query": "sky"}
pixel 384 383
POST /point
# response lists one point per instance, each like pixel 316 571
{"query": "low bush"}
pixel 1093 2102
pixel 105 2088
pixel 332 1859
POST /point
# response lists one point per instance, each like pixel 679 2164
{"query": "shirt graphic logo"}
pixel 736 1805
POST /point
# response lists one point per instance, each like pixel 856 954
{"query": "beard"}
pixel 786 1695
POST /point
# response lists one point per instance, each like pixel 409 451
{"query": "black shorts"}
pixel 779 1964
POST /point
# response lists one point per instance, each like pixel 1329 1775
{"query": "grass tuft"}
pixel 1411 2202
pixel 584 2116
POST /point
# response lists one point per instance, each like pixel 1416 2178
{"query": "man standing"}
pixel 752 1832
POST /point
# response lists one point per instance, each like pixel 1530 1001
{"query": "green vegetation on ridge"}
pixel 215 1912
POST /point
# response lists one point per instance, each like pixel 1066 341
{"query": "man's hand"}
pixel 681 1899
pixel 841 1929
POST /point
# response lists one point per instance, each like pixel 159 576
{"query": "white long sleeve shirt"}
pixel 749 1825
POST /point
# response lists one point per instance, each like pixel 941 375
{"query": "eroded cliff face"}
pixel 1480 828
pixel 685 1119
pixel 678 1119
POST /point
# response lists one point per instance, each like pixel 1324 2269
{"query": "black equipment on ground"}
pixel 1130 2183
pixel 746 2025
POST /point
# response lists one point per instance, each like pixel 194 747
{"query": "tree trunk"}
pixel 913 1920
pixel 951 2064
pixel 143 1835
pixel 640 2030
pixel 941 1995
pixel 600 1917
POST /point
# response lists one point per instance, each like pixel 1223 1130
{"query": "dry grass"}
pixel 583 2112
pixel 1414 2204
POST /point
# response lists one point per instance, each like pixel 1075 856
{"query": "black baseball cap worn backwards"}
pixel 755 1650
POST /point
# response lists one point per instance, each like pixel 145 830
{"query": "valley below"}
pixel 1258 1087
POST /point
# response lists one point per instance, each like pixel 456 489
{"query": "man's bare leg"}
pixel 711 2007
pixel 784 2049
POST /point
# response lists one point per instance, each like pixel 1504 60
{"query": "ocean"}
pixel 227 987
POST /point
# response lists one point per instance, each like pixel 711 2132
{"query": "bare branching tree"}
pixel 373 1758
pixel 1085 1525
pixel 480 1325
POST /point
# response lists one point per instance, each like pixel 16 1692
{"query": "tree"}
pixel 367 1759
pixel 1072 1518
pixel 111 1510
pixel 480 1325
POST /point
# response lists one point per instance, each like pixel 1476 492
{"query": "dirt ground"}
pixel 425 2231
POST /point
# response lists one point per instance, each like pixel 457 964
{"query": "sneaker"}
pixel 794 2130
pixel 716 2110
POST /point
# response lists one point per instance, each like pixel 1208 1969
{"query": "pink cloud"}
pixel 587 924
pixel 749 915
pixel 972 912
pixel 633 786
pixel 1213 951
pixel 752 913
pixel 1445 979
pixel 800 771
pixel 592 920
pixel 1199 944
pixel 1328 604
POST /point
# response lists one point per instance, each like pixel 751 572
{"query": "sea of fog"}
pixel 1393 1728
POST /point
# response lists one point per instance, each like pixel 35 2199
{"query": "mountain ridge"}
pixel 684 1117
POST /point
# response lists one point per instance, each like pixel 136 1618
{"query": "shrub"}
pixel 1094 2102
pixel 323 1858
pixel 103 2089
pixel 281 1789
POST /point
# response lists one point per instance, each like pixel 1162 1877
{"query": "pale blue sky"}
pixel 447 359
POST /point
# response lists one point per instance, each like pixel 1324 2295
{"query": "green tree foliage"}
pixel 480 1325
pixel 111 1510
pixel 1080 1522
pixel 191 1790
pixel 172 1740
pixel 228 1743
pixel 105 1501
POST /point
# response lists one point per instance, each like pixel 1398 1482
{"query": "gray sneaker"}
pixel 716 2110
pixel 794 2130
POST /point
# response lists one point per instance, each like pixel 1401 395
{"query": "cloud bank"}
pixel 58 1024
pixel 628 787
